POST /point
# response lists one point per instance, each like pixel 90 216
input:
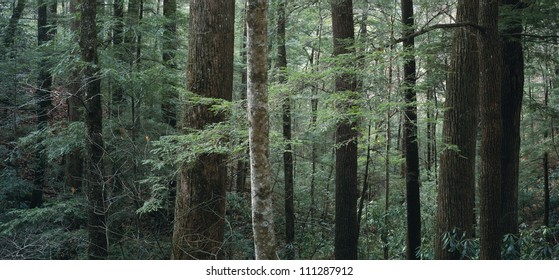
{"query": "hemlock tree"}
pixel 45 32
pixel 169 49
pixel 491 131
pixel 288 152
pixel 512 90
pixel 456 194
pixel 411 150
pixel 200 203
pixel 345 240
pixel 74 160
pixel 259 129
pixel 94 132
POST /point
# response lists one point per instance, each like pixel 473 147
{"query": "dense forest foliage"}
pixel 256 129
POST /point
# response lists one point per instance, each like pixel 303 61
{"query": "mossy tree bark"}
pixel 259 130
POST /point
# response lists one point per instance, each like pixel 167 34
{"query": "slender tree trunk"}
pixel 545 163
pixel 44 102
pixel 345 246
pixel 512 90
pixel 491 131
pixel 74 160
pixel 170 95
pixel 242 164
pixel 288 152
pixel 98 244
pixel 9 36
pixel 200 203
pixel 257 95
pixel 456 195
pixel 413 236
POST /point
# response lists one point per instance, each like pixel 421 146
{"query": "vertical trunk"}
pixel 257 95
pixel 169 49
pixel 511 92
pixel 456 195
pixel 242 164
pixel 44 34
pixel 545 164
pixel 345 246
pixel 413 236
pixel 9 37
pixel 491 131
pixel 98 244
pixel 288 152
pixel 74 160
pixel 200 203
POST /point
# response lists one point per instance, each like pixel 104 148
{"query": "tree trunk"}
pixel 413 236
pixel 200 203
pixel 74 160
pixel 98 244
pixel 345 246
pixel 43 100
pixel 170 42
pixel 491 131
pixel 511 92
pixel 288 152
pixel 242 163
pixel 456 195
pixel 9 37
pixel 259 142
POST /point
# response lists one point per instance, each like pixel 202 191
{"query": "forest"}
pixel 279 129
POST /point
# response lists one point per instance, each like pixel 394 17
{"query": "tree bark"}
pixel 170 40
pixel 98 244
pixel 288 152
pixel 491 131
pixel 345 240
pixel 413 237
pixel 456 195
pixel 9 37
pixel 74 160
pixel 200 203
pixel 512 90
pixel 44 102
pixel 259 142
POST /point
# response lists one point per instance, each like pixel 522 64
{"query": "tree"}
pixel 259 129
pixel 345 240
pixel 491 131
pixel 169 49
pixel 200 203
pixel 456 194
pixel 512 91
pixel 45 32
pixel 74 160
pixel 413 236
pixel 12 24
pixel 288 152
pixel 97 211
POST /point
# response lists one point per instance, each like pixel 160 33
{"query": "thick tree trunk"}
pixel 413 237
pixel 288 152
pixel 200 203
pixel 345 246
pixel 97 211
pixel 512 90
pixel 257 95
pixel 491 131
pixel 456 195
